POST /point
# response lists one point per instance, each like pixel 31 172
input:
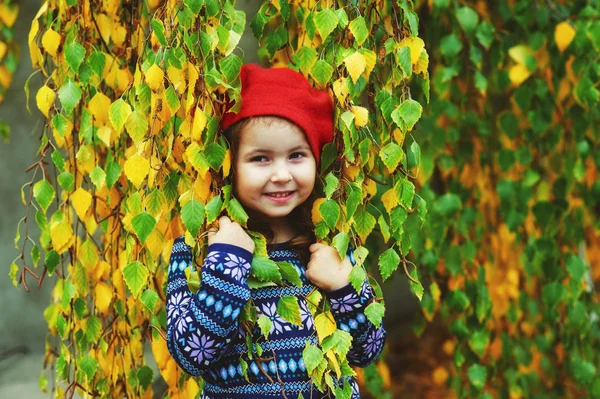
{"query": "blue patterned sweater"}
pixel 205 338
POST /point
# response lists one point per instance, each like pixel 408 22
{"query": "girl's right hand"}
pixel 230 233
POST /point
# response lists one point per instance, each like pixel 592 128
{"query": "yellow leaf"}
pixel 192 72
pixel 202 186
pixel 371 187
pixel 340 89
pixel 8 14
pixel 136 169
pixel 520 53
pixel 86 158
pixel 361 116
pixel 81 201
pixel 370 59
pixel 351 171
pixel 316 214
pixel 415 44
pixel 227 163
pixel 137 126
pixel 518 74
pixel 185 127
pixel 325 325
pixel 199 123
pixel 118 34
pixel 104 134
pixel 177 78
pixel 3 48
pixel 191 388
pixel 103 297
pixel 44 99
pixel 105 26
pixel 34 50
pixel 563 35
pixel 61 234
pixel 423 64
pixel 124 79
pixel 355 64
pixel 389 200
pixel 333 362
pixel 51 41
pixel 154 77
pixel 98 107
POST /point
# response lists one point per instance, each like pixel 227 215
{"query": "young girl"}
pixel 276 141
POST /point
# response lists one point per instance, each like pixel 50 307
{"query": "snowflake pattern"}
pixel 178 304
pixel 201 347
pixel 374 341
pixel 235 266
pixel 279 324
pixel 345 304
pixel 305 316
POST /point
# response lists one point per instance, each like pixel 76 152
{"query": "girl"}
pixel 276 141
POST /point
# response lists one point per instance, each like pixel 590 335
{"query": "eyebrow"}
pixel 266 151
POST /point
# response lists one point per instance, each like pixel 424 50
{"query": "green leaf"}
pixel 305 58
pixel 265 324
pixel 194 5
pixel 230 67
pixel 74 55
pixel 113 172
pixel 364 223
pixel 289 273
pixel 448 204
pixel 60 123
pixel 89 366
pixel 356 277
pixel 98 177
pixel 331 184
pixel 143 225
pixel 583 371
pixel 215 154
pixel 553 293
pixel 149 299
pixel 326 22
pixel 265 269
pixel 375 312
pixel 450 46
pixel 43 192
pixel 479 341
pixel 159 30
pixel 312 356
pixel 409 112
pixel 68 293
pixel 276 40
pixel 468 19
pixel 477 375
pixel 330 211
pixel 14 269
pixel 388 263
pixel 213 208
pixel 405 193
pixel 172 99
pixel 458 300
pixel 416 288
pixel 322 72
pixel 118 113
pixel 340 341
pixel 136 125
pixel 359 30
pixel 288 308
pixel 575 267
pixel 136 277
pixel 69 95
pixel 145 376
pixel 485 34
pixel 391 155
pixel 404 60
pixel 192 215
pixel 97 61
pixel 237 212
pixel 340 243
pixel 51 260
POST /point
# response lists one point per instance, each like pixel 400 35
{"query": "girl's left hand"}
pixel 326 269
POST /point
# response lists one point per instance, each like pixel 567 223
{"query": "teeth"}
pixel 280 194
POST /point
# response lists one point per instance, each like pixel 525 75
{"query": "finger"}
pixel 315 247
pixel 224 221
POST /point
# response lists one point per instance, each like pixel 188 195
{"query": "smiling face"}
pixel 274 168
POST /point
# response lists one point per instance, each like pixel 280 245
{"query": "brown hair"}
pixel 300 218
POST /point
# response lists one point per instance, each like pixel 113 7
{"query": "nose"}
pixel 281 174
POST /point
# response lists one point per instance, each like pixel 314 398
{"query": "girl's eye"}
pixel 259 158
pixel 297 155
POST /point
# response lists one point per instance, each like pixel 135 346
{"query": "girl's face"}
pixel 275 168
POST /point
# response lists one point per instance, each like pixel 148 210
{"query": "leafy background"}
pixel 502 159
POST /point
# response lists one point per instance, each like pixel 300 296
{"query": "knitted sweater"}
pixel 205 338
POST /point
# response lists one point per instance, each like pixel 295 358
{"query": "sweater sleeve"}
pixel 348 309
pixel 201 325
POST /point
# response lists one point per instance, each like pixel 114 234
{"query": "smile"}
pixel 280 196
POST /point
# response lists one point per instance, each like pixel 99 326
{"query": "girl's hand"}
pixel 230 233
pixel 326 269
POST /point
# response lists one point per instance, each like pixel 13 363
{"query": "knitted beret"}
pixel 285 93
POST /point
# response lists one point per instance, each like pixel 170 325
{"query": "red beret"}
pixel 286 93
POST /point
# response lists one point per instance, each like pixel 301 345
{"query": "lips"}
pixel 279 194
